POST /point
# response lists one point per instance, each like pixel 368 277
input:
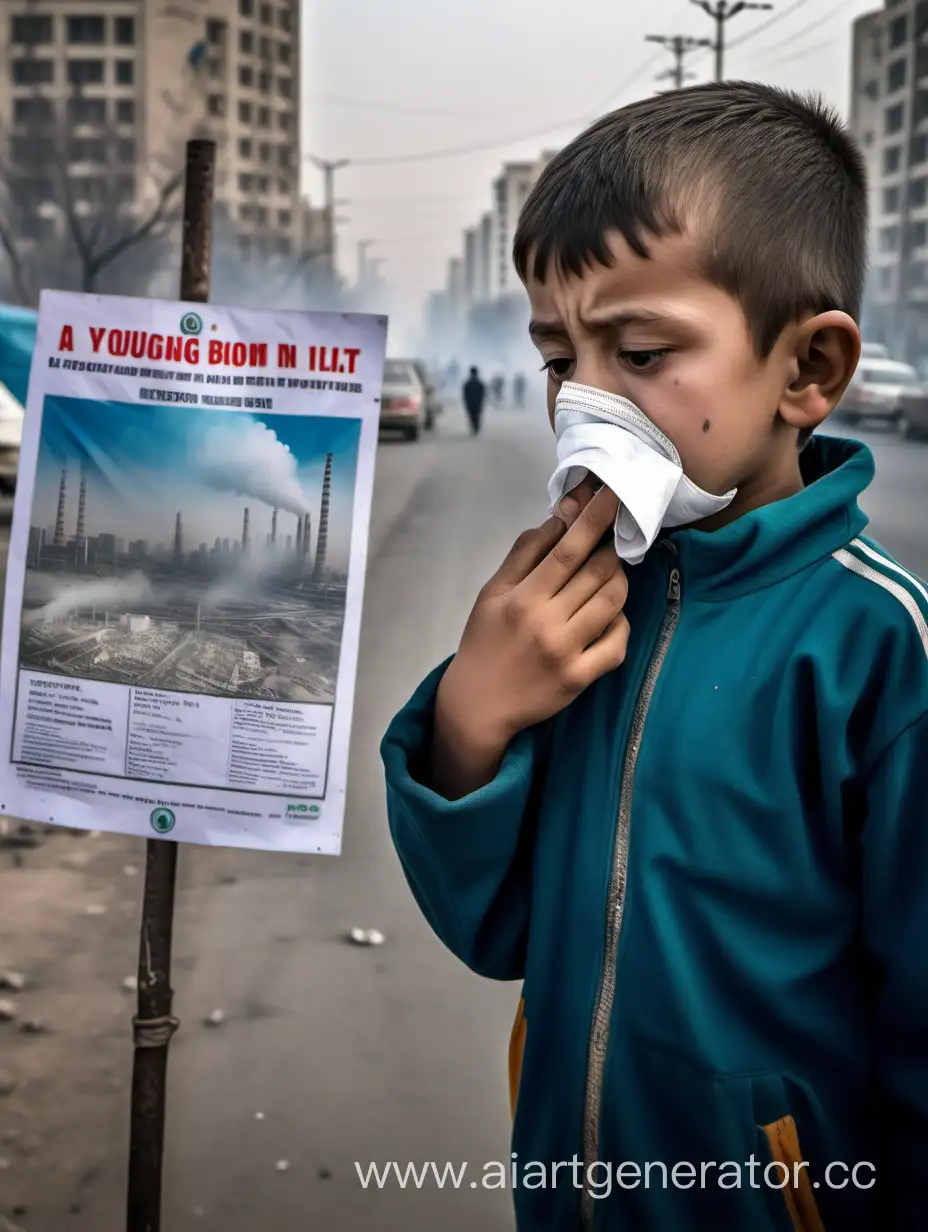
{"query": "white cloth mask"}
pixel 602 434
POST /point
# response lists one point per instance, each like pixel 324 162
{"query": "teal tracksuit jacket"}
pixel 710 872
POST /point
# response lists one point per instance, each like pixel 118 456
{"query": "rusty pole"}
pixel 155 1023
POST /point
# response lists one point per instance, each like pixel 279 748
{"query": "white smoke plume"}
pixel 119 592
pixel 246 457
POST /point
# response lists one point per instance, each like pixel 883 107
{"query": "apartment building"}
pixel 889 116
pixel 130 81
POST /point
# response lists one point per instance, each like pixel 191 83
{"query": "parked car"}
pixel 11 439
pixel 874 350
pixel 403 405
pixel 875 390
pixel 913 413
pixel 433 403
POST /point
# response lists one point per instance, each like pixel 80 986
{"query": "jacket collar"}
pixel 778 540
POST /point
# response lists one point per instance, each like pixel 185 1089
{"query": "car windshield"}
pixel 888 376
pixel 398 372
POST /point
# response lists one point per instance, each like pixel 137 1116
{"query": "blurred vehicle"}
pixel 875 390
pixel 403 405
pixel 11 439
pixel 874 350
pixel 913 413
pixel 433 403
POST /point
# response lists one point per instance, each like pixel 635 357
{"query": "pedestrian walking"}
pixel 518 390
pixel 474 395
pixel 499 390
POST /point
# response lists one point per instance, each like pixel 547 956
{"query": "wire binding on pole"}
pixel 153 1032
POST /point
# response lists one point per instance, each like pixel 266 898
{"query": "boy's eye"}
pixel 558 369
pixel 643 361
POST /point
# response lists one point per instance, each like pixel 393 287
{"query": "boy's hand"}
pixel 546 625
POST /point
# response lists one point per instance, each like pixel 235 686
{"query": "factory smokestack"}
pixel 59 520
pixel 307 526
pixel 274 528
pixel 80 542
pixel 178 541
pixel 319 567
pixel 245 531
pixel 299 536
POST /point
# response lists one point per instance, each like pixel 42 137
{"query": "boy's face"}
pixel 656 332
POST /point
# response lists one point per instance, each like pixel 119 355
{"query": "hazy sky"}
pixel 386 80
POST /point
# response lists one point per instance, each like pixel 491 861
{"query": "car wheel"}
pixel 412 434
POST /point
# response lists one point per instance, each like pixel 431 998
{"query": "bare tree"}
pixel 74 201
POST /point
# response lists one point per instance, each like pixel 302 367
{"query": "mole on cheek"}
pixel 706 426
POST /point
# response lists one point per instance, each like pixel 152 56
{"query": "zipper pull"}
pixel 673 586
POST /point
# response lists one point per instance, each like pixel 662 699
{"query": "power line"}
pixel 771 21
pixel 801 33
pixel 498 143
pixel 721 12
pixel 337 100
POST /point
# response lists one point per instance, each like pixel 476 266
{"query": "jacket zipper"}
pixel 615 903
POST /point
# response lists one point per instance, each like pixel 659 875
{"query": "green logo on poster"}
pixel 162 821
pixel 191 324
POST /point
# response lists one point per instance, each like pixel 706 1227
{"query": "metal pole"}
pixel 154 1023
pixel 720 15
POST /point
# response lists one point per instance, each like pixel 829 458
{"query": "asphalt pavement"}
pixel 333 1054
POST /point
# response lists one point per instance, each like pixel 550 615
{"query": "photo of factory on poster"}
pixel 203 553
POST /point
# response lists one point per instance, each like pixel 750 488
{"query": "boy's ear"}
pixel 824 351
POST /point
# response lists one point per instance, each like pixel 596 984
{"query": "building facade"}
pixel 889 117
pixel 114 91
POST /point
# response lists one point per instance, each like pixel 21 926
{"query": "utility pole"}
pixel 680 46
pixel 721 12
pixel 328 167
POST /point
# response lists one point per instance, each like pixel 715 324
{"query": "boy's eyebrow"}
pixel 540 331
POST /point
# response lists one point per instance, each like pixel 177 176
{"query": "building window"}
pixel 267 15
pixel 283 186
pixel 125 187
pixel 264 82
pixel 125 111
pixel 890 200
pixel 872 90
pixel 86 30
pixel 31 30
pixel 283 121
pixel 889 239
pixel 33 110
pixel 246 8
pixel 918 234
pixel 244 113
pixel 264 152
pixel 283 155
pixel 264 184
pixel 892 159
pixel 921 18
pixel 898 30
pixel 125 72
pixel 246 182
pixel 28 152
pixel 125 150
pixel 918 192
pixel 284 218
pixel 264 117
pixel 285 20
pixel 85 72
pixel 245 212
pixel 125 31
pixel 246 42
pixel 215 68
pixel 894 118
pixel 918 149
pixel 215 32
pixel 885 279
pixel 87 110
pixel 217 105
pixel 284 86
pixel 920 108
pixel 32 72
pixel 283 53
pixel 261 214
pixel 895 77
pixel 88 151
pixel 921 62
pixel 245 75
pixel 244 147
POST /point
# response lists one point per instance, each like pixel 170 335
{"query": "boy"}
pixel 688 809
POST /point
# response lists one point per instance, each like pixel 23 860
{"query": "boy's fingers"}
pixel 600 612
pixel 572 504
pixel 531 547
pixel 607 652
pixel 570 552
pixel 601 568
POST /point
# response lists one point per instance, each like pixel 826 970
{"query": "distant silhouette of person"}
pixel 518 390
pixel 499 390
pixel 474 394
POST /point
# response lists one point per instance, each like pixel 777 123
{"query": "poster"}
pixel 187 557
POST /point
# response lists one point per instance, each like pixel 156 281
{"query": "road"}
pixel 330 1053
